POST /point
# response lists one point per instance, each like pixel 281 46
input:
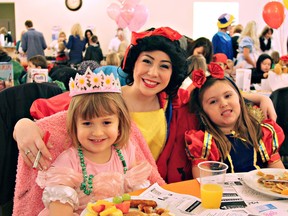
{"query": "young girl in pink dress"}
pixel 102 161
pixel 229 132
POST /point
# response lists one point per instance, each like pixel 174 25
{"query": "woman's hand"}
pixel 29 140
pixel 267 108
pixel 264 103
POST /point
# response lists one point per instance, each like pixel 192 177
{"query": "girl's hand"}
pixel 29 140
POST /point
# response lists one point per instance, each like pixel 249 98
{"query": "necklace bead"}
pixel 87 184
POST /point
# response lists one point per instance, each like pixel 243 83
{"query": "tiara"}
pixel 93 82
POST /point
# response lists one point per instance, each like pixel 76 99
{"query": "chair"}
pixel 15 104
pixel 279 98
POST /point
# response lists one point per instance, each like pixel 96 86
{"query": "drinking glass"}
pixel 212 178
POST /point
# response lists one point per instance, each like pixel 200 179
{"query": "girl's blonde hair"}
pixel 113 59
pixel 246 127
pixel 88 106
pixel 250 30
pixel 77 30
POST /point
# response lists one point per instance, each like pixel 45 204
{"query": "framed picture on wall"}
pixel 73 5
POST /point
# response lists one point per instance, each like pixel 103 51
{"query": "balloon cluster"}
pixel 273 13
pixel 129 14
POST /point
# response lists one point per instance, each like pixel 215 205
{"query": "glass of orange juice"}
pixel 212 178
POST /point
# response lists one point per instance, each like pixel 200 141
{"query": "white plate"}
pixel 160 204
pixel 251 178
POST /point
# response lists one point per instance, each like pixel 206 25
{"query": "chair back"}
pixel 280 101
pixel 15 104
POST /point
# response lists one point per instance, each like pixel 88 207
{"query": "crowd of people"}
pixel 146 118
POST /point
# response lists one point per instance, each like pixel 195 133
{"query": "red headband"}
pixel 163 31
pixel 199 76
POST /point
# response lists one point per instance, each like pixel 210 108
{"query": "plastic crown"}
pixel 94 83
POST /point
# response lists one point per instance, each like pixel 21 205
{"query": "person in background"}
pixel 37 61
pixel 263 66
pixel 248 46
pixel 222 42
pixel 265 39
pixel 61 57
pixel 54 45
pixel 94 52
pixel 116 41
pixel 237 32
pixel 201 46
pixel 32 41
pixel 112 59
pixel 101 161
pixel 275 55
pixel 76 45
pixel 88 36
pixel 7 36
pixel 228 129
pixel 17 67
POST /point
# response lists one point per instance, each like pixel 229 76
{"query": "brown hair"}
pixel 29 23
pixel 89 106
pixel 39 61
pixel 246 127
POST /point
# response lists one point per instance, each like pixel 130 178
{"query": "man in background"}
pixel 33 42
pixel 222 42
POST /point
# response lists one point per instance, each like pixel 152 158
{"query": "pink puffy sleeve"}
pixel 200 146
pixel 273 137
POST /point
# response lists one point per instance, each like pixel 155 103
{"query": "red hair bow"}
pixel 163 31
pixel 199 76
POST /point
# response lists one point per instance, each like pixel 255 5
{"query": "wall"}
pixel 177 14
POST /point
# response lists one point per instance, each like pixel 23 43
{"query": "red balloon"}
pixel 273 14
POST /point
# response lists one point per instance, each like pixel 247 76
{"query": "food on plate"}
pixel 132 207
pixel 277 187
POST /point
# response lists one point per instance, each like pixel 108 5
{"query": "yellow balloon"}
pixel 285 3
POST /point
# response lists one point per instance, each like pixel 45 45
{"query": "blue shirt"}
pixel 222 43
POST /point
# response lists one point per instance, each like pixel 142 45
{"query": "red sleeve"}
pixel 45 107
pixel 272 142
pixel 198 150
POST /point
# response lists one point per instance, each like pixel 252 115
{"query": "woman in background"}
pixel 265 39
pixel 248 46
pixel 76 44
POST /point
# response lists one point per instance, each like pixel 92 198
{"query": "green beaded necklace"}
pixel 87 184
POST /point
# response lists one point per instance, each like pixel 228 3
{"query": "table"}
pixel 189 187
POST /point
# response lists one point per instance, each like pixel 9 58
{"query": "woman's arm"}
pixel 264 103
pixel 29 138
pixel 277 164
pixel 246 55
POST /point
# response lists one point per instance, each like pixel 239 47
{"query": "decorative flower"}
pixel 198 77
pixel 216 70
pixel 95 80
pixel 108 81
pixel 72 84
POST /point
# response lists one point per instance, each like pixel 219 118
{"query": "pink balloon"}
pixel 127 13
pixel 121 22
pixel 131 3
pixel 113 11
pixel 140 17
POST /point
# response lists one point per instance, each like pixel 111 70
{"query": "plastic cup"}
pixel 212 178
